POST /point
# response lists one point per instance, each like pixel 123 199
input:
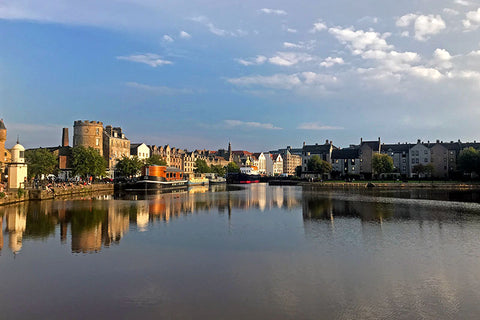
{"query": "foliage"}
pixel 88 162
pixel 218 169
pixel 418 169
pixel 40 161
pixel 469 160
pixel 298 171
pixel 2 195
pixel 20 192
pixel 316 164
pixel 128 167
pixel 429 169
pixel 155 159
pixel 232 167
pixel 201 166
pixel 382 163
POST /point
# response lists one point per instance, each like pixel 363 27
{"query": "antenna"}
pixel 18 139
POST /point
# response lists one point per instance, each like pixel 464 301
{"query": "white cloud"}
pixel 442 57
pixel 359 40
pixel 462 2
pixel 329 62
pixel 472 21
pixel 426 73
pixel 162 90
pixel 250 124
pixel 291 30
pixel 215 30
pixel 277 12
pixel 292 45
pixel 424 25
pixel 289 58
pixel 318 26
pixel 317 126
pixel 302 80
pixel 184 35
pixel 252 61
pixel 152 59
pixel 167 38
pixel 450 11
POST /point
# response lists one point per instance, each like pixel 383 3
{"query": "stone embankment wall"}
pixel 60 192
pixel 397 185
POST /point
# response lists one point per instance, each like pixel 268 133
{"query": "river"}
pixel 259 252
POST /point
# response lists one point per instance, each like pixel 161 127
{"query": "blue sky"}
pixel 261 74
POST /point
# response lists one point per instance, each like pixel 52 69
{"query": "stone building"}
pixel 400 154
pixel 367 150
pixel 115 146
pixel 324 151
pixel 439 158
pixel 4 153
pixel 291 162
pixel 88 134
pixel 345 162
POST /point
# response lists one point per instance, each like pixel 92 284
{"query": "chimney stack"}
pixel 65 137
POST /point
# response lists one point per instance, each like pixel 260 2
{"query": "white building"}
pixel 260 162
pixel 273 164
pixel 17 168
pixel 141 150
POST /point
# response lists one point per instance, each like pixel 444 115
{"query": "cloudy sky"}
pixel 261 74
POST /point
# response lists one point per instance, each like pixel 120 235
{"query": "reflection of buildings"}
pixel 16 223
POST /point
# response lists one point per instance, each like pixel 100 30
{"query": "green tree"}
pixel 298 171
pixel 316 164
pixel 429 169
pixel 128 167
pixel 155 159
pixel 469 160
pixel 88 162
pixel 40 161
pixel 382 163
pixel 419 169
pixel 201 166
pixel 232 167
pixel 218 169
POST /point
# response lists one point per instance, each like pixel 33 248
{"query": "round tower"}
pixel 88 134
pixel 3 139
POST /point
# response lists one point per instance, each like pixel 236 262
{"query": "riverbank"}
pixel 58 192
pixel 393 185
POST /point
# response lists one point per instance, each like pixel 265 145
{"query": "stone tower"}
pixel 4 154
pixel 88 134
pixel 65 137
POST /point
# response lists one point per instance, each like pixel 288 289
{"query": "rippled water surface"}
pixel 256 253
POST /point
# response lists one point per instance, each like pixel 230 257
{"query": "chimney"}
pixel 65 137
pixel 304 143
pixel 418 141
pixel 361 140
pixel 438 141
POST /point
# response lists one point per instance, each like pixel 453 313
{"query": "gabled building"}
pixel 400 154
pixel 115 146
pixel 419 154
pixel 324 151
pixel 291 162
pixel 346 162
pixel 273 164
pixel 141 150
pixel 366 150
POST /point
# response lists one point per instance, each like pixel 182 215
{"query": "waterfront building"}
pixel 88 134
pixel 419 154
pixel 367 150
pixel 324 151
pixel 141 150
pixel 260 162
pixel 400 155
pixel 273 164
pixel 291 162
pixel 17 168
pixel 345 162
pixel 115 146
pixel 4 153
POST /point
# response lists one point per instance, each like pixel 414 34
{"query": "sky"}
pixel 260 74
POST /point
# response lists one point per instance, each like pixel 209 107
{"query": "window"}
pixel 426 151
pixel 416 160
pixel 22 154
pixel 98 131
pixel 97 142
pixel 425 160
pixel 413 160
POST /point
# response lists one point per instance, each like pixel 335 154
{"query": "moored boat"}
pixel 160 178
pixel 213 178
pixel 197 179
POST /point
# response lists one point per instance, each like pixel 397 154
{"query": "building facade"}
pixel 88 134
pixel 115 146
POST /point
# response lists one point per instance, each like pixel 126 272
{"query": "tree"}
pixel 88 162
pixel 40 161
pixel 316 164
pixel 128 167
pixel 201 166
pixel 429 169
pixel 419 169
pixel 382 163
pixel 232 167
pixel 218 169
pixel 469 160
pixel 298 171
pixel 155 159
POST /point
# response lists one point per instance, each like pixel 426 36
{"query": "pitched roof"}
pixel 399 147
pixel 375 145
pixel 347 153
pixel 317 148
pixel 2 125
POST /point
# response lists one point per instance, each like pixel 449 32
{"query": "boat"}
pixel 197 179
pixel 213 178
pixel 248 174
pixel 156 177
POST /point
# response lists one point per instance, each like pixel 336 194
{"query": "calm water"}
pixel 256 253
